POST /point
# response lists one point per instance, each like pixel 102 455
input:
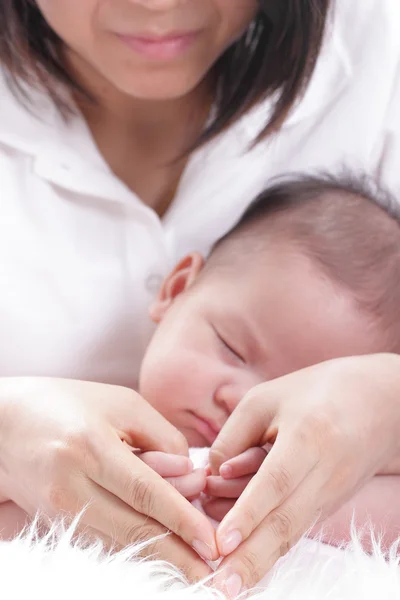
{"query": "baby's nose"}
pixel 228 396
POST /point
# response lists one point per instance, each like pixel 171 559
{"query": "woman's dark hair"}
pixel 275 58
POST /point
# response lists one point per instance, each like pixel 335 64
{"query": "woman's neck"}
pixel 171 126
pixel 144 143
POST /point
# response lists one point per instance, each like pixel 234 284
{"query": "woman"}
pixel 132 132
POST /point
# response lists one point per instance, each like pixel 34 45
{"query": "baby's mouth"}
pixel 206 427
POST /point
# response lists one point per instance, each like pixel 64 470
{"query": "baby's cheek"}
pixel 167 383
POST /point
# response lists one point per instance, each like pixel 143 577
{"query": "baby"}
pixel 310 273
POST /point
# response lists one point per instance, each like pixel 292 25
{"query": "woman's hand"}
pixel 61 451
pixel 375 509
pixel 333 426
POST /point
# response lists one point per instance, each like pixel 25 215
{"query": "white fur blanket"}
pixel 56 568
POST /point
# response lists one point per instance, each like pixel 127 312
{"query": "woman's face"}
pixel 149 49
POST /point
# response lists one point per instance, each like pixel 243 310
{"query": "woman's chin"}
pixel 152 88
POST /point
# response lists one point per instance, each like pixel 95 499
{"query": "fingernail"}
pixel 190 466
pixel 203 549
pixel 226 471
pixel 233 585
pixel 230 542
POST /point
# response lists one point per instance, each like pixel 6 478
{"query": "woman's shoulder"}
pixel 360 52
pixel 363 22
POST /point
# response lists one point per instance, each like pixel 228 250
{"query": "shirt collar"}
pixel 58 146
pixel 63 151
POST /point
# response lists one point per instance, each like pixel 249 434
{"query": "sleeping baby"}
pixel 310 273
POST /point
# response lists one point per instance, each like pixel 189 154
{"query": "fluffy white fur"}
pixel 58 568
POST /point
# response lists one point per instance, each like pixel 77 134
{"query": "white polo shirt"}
pixel 81 256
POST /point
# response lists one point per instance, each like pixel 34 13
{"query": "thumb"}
pixel 249 426
pixel 142 427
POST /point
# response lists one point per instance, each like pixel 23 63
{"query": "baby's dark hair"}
pixel 346 225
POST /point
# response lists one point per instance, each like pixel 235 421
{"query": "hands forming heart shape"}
pixel 333 426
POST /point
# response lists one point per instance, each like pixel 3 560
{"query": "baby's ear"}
pixel 178 281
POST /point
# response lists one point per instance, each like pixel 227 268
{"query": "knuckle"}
pixel 249 517
pixel 321 428
pixel 141 493
pixel 142 533
pixel 59 463
pixel 251 569
pixel 280 482
pixel 70 449
pixel 59 452
pixel 342 476
pixel 281 523
pixel 78 439
pixel 311 426
pixel 195 573
pixel 59 499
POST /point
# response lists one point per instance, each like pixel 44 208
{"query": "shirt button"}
pixel 153 283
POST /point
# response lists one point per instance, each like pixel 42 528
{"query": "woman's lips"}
pixel 160 48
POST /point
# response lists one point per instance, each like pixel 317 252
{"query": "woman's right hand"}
pixel 61 451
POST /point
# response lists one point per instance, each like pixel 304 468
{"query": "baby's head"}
pixel 311 273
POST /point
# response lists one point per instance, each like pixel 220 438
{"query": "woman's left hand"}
pixel 334 426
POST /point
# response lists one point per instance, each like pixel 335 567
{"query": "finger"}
pixel 167 465
pixel 279 476
pixel 116 521
pixel 125 476
pixel 218 508
pixel 190 486
pixel 233 580
pixel 244 464
pixel 273 538
pixel 222 488
pixel 247 427
pixel 142 426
